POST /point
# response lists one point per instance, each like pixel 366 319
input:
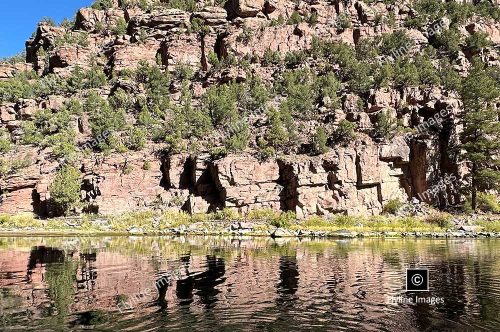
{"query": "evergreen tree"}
pixel 480 137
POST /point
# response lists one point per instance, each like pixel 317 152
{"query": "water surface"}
pixel 224 284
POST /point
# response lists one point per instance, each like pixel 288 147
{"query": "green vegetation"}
pixel 102 4
pixel 344 21
pixel 271 58
pixel 21 221
pixel 489 226
pixel 120 27
pixel 386 125
pixel 104 121
pixel 73 38
pixel 392 206
pixel 65 189
pixel 320 141
pixel 5 143
pixel 19 57
pixel 295 18
pixel 488 203
pixel 480 137
pixel 345 132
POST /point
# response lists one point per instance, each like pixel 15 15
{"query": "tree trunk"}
pixel 474 189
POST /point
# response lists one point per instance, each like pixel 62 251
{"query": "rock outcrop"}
pixel 244 42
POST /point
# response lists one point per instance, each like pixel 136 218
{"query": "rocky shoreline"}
pixel 249 229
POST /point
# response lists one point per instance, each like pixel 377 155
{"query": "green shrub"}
pixel 344 221
pixel 102 4
pixel 239 138
pixel 20 221
pixel 277 21
pixel 19 57
pixel 120 27
pixel 366 49
pixel 80 38
pixel 146 165
pixel 449 76
pixel 392 206
pixel 65 189
pixel 313 18
pixel 183 72
pixel 328 87
pixel 121 99
pixel 95 78
pixel 136 139
pixel 47 21
pixel 186 5
pixel 5 143
pixel 300 90
pixel 406 74
pixel 254 95
pixel 449 41
pixel 63 144
pixel 103 120
pixel 396 44
pixel 426 11
pixel 428 74
pixel 198 26
pixel 218 152
pixel 320 141
pixel 226 214
pixel 175 144
pixel 277 135
pixel 386 125
pixel 295 58
pixel 443 220
pixel 157 85
pixel 12 165
pixel 284 220
pixel 345 132
pixel 271 57
pixel 262 214
pixel 488 203
pixel 295 18
pixel 246 35
pixel 220 103
pixel 477 41
pixel 343 21
pixel 489 226
pixel 17 87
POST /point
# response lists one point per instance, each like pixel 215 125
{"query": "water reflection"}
pixel 243 284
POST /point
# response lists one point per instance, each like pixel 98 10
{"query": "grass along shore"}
pixel 258 223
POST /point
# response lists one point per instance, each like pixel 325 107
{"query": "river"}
pixel 245 284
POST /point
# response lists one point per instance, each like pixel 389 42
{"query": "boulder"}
pixel 244 8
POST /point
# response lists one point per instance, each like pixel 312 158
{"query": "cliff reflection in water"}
pixel 243 284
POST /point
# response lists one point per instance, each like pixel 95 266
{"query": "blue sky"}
pixel 18 19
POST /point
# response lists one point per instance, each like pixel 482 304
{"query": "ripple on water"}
pixel 217 284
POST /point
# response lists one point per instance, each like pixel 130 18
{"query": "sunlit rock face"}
pixel 207 46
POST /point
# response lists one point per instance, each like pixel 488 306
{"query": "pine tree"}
pixel 480 137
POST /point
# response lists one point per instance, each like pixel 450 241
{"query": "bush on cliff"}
pixel 345 132
pixel 103 120
pixel 386 125
pixel 65 189
pixel 102 4
pixel 5 143
pixel 220 103
pixel 320 141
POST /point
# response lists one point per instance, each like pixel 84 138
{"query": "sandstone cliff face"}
pixel 356 178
